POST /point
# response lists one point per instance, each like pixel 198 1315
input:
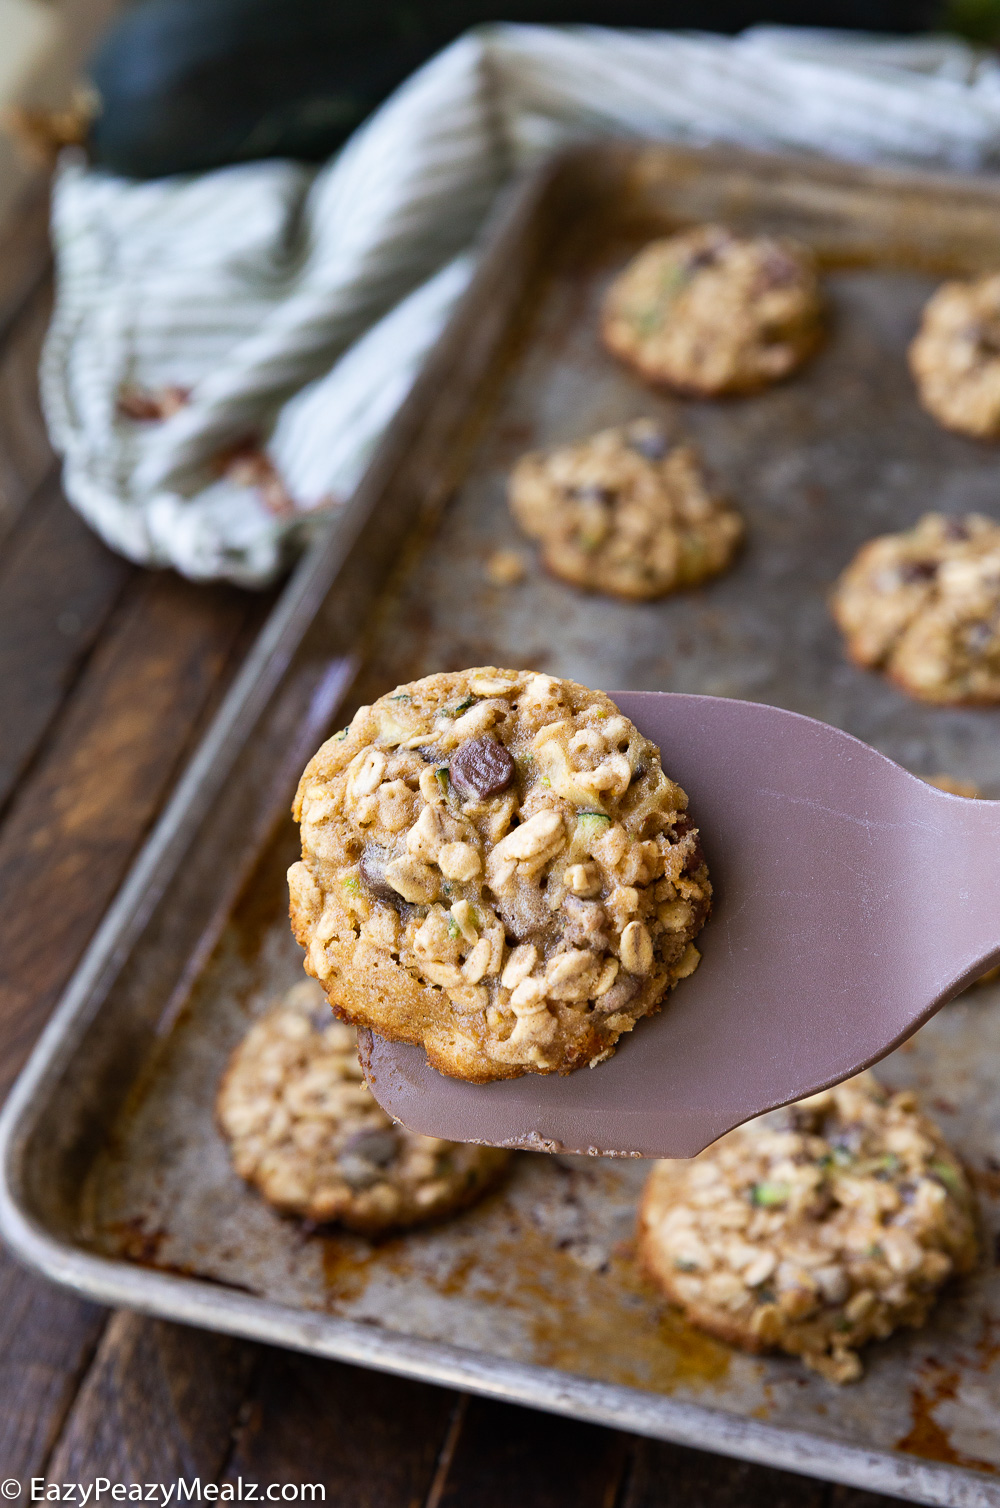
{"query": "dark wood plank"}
pixel 25 256
pixel 663 1475
pixel 162 662
pixel 373 1440
pixel 26 456
pixel 74 827
pixel 506 1455
pixel 58 586
pixel 852 1497
pixel 49 1338
pixel 160 1402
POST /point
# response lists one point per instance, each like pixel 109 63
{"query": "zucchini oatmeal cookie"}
pixel 814 1229
pixel 708 312
pixel 924 606
pixel 303 1127
pixel 495 866
pixel 625 512
pixel 955 357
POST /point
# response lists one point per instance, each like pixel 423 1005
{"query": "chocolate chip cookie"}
pixel 625 512
pixel 304 1129
pixel 955 357
pixel 495 866
pixel 814 1229
pixel 924 606
pixel 709 312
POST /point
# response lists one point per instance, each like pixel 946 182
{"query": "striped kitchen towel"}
pixel 226 349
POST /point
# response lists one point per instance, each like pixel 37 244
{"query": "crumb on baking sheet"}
pixel 505 568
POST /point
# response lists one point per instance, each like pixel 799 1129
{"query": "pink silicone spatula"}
pixel 852 901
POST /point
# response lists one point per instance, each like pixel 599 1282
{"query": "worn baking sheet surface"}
pixel 543 1272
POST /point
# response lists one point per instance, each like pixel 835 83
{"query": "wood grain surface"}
pixel 109 675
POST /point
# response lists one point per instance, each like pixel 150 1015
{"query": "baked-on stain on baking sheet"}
pixel 926 1436
pixel 576 1317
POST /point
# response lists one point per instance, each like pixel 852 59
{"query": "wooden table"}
pixel 109 676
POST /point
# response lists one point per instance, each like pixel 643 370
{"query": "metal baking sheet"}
pixel 115 1180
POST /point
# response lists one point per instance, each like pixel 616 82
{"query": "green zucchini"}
pixel 189 85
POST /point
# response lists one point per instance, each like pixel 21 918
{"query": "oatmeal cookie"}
pixel 925 607
pixel 813 1229
pixel 955 357
pixel 303 1127
pixel 708 312
pixel 495 866
pixel 625 512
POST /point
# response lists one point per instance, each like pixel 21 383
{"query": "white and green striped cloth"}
pixel 297 304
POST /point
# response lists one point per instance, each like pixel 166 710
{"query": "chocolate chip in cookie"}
pixel 481 767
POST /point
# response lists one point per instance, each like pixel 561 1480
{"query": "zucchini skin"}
pixel 190 85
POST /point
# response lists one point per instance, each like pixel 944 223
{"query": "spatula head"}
pixel 851 901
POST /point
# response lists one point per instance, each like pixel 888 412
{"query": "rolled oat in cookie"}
pixel 625 512
pixel 303 1127
pixel 924 606
pixel 955 357
pixel 708 312
pixel 814 1229
pixel 495 866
